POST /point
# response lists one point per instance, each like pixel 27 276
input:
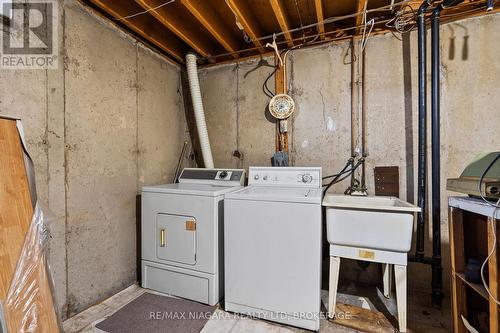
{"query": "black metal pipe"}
pixel 422 129
pixel 437 269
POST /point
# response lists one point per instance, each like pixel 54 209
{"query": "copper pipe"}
pixel 353 97
pixel 363 120
pixel 354 109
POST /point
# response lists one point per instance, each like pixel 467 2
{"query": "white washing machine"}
pixel 182 234
pixel 272 241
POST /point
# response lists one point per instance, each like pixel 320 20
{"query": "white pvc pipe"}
pixel 201 125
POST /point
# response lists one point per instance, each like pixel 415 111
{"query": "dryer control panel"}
pixel 223 177
pixel 285 176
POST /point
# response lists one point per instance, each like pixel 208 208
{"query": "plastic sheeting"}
pixel 29 305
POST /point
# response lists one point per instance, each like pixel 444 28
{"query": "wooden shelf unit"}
pixel 471 236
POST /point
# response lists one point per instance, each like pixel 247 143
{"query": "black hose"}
pixel 337 174
pixel 343 171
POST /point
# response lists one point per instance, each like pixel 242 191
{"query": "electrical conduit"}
pixel 199 113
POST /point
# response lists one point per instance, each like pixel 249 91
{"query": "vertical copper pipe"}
pixel 353 108
pixel 363 105
pixel 363 120
pixel 353 97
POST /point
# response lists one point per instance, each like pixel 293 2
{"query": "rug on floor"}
pixel 157 314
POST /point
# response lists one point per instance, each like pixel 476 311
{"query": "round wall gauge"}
pixel 281 106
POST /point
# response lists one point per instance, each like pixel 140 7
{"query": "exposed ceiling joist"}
pixel 320 17
pixel 206 15
pixel 247 19
pixel 208 26
pixel 360 7
pixel 281 15
pixel 178 26
pixel 164 39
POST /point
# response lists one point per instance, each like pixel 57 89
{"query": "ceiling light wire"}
pixel 144 11
pixel 331 20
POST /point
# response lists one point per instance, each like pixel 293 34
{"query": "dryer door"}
pixel 176 238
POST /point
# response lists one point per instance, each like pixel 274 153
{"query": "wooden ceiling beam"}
pixel 320 17
pixel 178 26
pixel 282 17
pixel 360 7
pixel 163 39
pixel 207 16
pixel 247 19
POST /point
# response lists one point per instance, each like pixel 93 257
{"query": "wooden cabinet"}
pixel 472 236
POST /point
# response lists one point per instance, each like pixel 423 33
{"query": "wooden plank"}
pixel 280 85
pixel 282 17
pixel 457 262
pixel 459 305
pixel 15 202
pixel 493 274
pixel 250 24
pixel 320 17
pixel 207 16
pixel 478 288
pixel 179 26
pixel 145 27
pixel 363 320
pixel 32 307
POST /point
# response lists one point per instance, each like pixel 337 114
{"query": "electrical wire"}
pixel 331 20
pixel 493 226
pixel 282 56
pixel 404 20
pixel 339 18
pixel 145 11
pixel 269 93
pixel 493 249
pixel 365 37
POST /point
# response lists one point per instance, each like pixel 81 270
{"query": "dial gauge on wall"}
pixel 281 106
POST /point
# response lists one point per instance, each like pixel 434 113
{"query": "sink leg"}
pixel 334 281
pixel 387 279
pixel 400 274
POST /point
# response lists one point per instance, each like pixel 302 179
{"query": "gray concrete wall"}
pixel 320 129
pixel 106 122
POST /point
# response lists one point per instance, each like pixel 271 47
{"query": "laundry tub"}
pixel 375 229
pixel 383 223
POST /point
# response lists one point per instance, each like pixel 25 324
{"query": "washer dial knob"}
pixel 306 178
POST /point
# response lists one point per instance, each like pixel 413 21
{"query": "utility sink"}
pixel 376 222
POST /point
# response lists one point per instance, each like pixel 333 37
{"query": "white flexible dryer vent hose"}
pixel 201 125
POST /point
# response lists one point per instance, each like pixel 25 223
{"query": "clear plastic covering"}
pixel 29 305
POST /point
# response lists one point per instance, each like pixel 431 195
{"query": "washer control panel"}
pixel 285 176
pixel 223 177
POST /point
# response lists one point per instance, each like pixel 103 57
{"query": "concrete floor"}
pixel 421 316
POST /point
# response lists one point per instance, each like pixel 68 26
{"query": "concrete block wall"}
pixel 107 121
pixel 319 81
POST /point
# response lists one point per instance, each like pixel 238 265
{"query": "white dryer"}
pixel 182 234
pixel 272 241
